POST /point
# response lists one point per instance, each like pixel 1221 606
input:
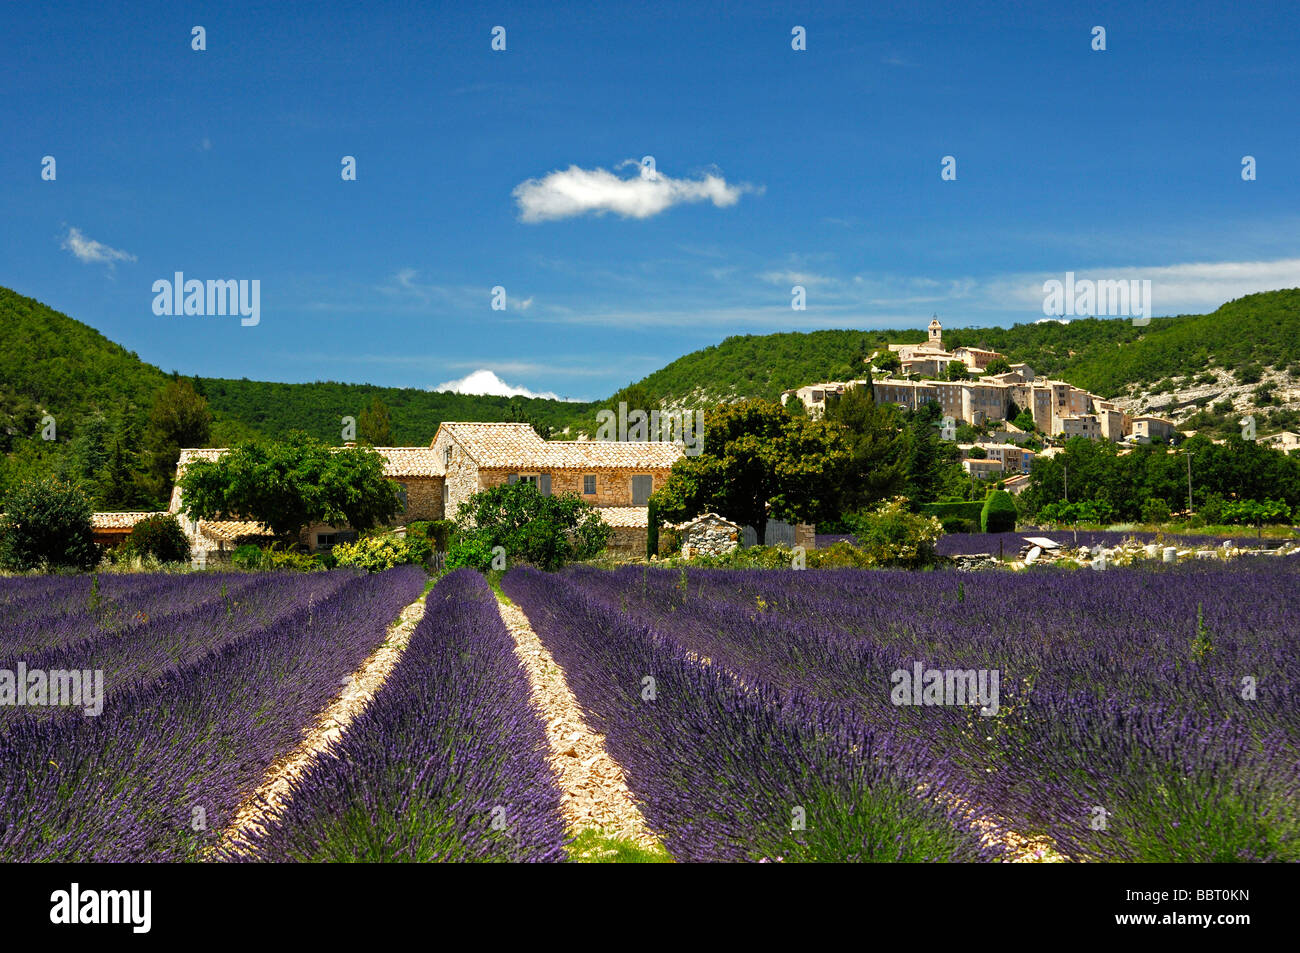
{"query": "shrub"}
pixel 962 509
pixel 46 525
pixel 377 553
pixel 891 535
pixel 276 556
pixel 439 531
pixel 246 556
pixel 159 536
pixel 999 513
pixel 469 551
pixel 546 531
pixel 1249 373
pixel 1155 510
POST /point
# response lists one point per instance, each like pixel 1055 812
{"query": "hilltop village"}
pixel 1005 402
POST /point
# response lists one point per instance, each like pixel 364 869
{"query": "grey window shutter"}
pixel 512 478
pixel 544 483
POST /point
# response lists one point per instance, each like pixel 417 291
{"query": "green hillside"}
pixel 317 408
pixel 1101 355
pixel 51 364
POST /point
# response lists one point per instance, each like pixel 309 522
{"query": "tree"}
pixel 999 365
pixel 932 465
pixel 999 513
pixel 547 531
pixel 521 415
pixel 1025 421
pixel 877 467
pixel 291 484
pixel 375 425
pixel 179 418
pixel 46 526
pixel 889 361
pixel 758 462
pixel 957 371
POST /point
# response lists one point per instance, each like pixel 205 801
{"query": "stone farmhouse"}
pixel 616 477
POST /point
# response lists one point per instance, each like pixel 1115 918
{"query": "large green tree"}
pixel 290 484
pixel 759 462
pixel 877 467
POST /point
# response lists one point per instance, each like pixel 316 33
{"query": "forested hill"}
pixel 53 364
pixel 1106 356
pixel 318 408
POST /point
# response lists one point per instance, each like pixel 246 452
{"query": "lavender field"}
pixel 207 680
pixel 1143 715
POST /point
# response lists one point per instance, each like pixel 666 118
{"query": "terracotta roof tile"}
pixel 625 517
pixel 506 445
pixel 118 520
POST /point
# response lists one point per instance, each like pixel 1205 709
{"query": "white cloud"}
pixel 484 381
pixel 575 191
pixel 91 251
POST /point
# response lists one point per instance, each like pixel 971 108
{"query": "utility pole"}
pixel 1189 483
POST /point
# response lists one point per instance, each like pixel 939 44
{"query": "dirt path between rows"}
pixel 595 791
pixel 269 800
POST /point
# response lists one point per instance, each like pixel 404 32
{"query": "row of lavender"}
pixel 1140 715
pixel 172 624
pixel 203 700
pixel 733 770
pixel 448 763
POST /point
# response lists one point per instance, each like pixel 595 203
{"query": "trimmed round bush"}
pixel 999 513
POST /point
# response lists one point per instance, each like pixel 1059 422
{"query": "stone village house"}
pixel 616 477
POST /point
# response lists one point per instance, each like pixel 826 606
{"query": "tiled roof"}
pixel 625 517
pixel 118 520
pixel 398 461
pixel 505 445
pixel 231 530
pixel 411 462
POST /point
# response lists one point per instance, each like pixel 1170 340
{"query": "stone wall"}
pixel 462 479
pixel 613 487
pixel 423 498
pixel 627 542
pixel 805 535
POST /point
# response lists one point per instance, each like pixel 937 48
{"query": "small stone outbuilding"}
pixel 708 535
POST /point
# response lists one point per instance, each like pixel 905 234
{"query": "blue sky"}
pixel 479 168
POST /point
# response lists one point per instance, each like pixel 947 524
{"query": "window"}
pixel 324 540
pixel 529 478
pixel 446 498
pixel 589 484
pixel 641 488
pixel 401 495
pixel 446 455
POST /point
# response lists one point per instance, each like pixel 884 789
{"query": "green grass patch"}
pixel 595 847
